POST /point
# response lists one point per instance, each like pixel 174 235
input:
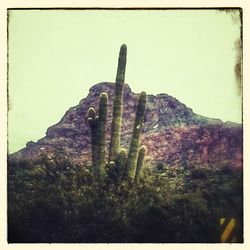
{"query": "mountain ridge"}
pixel 172 132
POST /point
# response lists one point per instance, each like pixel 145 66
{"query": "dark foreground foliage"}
pixel 57 202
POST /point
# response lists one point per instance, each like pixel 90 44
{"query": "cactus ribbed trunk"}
pixel 101 134
pixel 115 139
pixel 135 140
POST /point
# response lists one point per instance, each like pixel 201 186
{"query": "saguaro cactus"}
pixel 119 164
pixel 135 140
pixel 98 135
pixel 115 139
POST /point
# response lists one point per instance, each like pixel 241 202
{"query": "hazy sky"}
pixel 55 56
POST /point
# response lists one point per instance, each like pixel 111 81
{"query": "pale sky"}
pixel 55 56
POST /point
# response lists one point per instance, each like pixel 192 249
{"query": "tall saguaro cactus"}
pixel 135 140
pixel 98 135
pixel 120 165
pixel 115 139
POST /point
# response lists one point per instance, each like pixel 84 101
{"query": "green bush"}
pixel 199 173
pixel 59 202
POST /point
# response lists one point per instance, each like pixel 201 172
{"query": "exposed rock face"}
pixel 172 133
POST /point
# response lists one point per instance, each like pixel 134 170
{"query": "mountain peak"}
pixel 106 86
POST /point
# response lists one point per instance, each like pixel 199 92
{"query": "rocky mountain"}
pixel 172 132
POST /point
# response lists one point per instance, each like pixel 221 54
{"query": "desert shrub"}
pixel 199 173
pixel 226 169
pixel 60 202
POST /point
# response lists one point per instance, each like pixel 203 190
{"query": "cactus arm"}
pixel 135 140
pixel 101 134
pixel 140 161
pixel 115 139
pixel 92 121
pixel 121 163
pixel 120 76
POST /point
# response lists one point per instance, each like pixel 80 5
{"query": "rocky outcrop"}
pixel 172 132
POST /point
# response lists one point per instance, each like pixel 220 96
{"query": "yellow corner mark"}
pixel 222 220
pixel 229 228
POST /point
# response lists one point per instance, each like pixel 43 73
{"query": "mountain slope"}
pixel 172 132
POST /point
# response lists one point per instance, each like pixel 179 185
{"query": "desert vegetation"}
pixel 58 202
